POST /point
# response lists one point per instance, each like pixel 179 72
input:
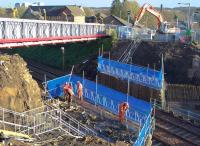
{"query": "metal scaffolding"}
pixel 38 122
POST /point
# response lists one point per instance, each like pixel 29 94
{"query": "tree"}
pixel 116 8
pixel 114 38
pixel 21 11
pixel 129 6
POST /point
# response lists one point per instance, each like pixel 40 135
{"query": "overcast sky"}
pixel 102 3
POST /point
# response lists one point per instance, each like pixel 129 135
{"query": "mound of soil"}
pixel 18 91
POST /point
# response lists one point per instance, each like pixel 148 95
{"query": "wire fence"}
pixel 179 112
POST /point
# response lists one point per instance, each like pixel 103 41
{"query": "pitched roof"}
pixel 102 15
pixel 57 10
pixel 122 21
pixel 88 11
pixel 76 11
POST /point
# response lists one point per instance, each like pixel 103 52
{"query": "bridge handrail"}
pixel 54 22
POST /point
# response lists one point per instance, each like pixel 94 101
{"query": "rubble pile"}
pixel 18 90
pixel 107 127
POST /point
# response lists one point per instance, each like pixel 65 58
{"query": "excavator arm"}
pixel 153 11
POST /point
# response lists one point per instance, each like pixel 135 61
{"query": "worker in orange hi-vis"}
pixel 80 90
pixel 65 89
pixel 68 91
pixel 123 107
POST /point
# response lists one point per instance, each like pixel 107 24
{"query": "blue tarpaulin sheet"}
pixel 137 74
pixel 55 88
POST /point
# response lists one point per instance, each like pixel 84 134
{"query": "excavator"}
pixel 163 26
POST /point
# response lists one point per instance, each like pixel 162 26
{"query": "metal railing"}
pixel 24 28
pixel 42 120
pixel 75 123
pixel 128 53
pixel 178 111
pixel 14 120
pixel 145 131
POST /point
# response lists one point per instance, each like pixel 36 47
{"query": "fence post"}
pixel 154 108
pixel 83 81
pixel 34 124
pixel 140 126
pixel 3 121
pixel 15 121
pixel 96 91
pixel 78 128
pixel 60 118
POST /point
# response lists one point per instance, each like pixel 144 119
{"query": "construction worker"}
pixel 65 89
pixel 68 92
pixel 123 107
pixel 80 90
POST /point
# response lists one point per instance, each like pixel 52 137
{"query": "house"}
pixel 56 13
pixel 75 14
pixel 89 15
pixel 114 20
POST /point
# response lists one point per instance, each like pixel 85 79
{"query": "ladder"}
pixel 126 57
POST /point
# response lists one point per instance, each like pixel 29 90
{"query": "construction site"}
pixel 91 84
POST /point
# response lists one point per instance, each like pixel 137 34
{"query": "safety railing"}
pixel 53 118
pixel 75 123
pixel 81 127
pixel 139 75
pixel 14 121
pixel 37 122
pixel 178 111
pixel 145 131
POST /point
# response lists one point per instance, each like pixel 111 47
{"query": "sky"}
pixel 102 3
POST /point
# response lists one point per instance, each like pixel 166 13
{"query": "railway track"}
pixel 38 71
pixel 169 130
pixel 173 131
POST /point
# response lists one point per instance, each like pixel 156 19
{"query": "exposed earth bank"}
pixel 18 91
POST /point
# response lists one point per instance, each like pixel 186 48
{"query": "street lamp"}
pixel 63 57
pixel 188 12
pixel 129 13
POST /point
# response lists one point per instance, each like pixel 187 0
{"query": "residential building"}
pixel 114 20
pixel 89 15
pixel 56 13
